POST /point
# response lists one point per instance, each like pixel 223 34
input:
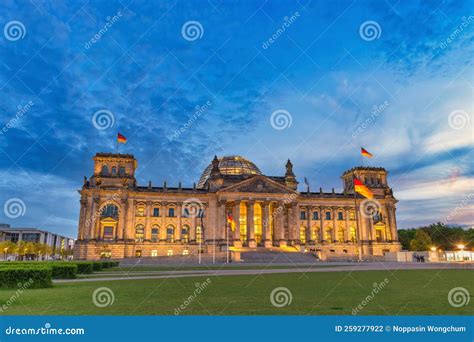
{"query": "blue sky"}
pixel 394 77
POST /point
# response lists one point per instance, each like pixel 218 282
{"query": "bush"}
pixel 97 265
pixel 84 267
pixel 26 277
pixel 63 271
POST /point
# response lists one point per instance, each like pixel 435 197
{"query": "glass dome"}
pixel 231 165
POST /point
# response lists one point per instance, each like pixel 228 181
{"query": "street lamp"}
pixel 433 249
pixel 461 247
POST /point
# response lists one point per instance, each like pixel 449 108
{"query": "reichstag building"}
pixel 232 206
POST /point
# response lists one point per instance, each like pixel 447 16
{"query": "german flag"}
pixel 365 153
pixel 230 220
pixel 360 188
pixel 121 138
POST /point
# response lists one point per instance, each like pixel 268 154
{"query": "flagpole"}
pixel 214 247
pixel 227 251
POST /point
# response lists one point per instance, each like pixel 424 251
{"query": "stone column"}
pixel 177 231
pixel 221 220
pixel 334 224
pixel 280 221
pixel 96 216
pixel 129 229
pixel 122 217
pixel 346 225
pixel 321 223
pixel 147 234
pixel 163 222
pixel 236 217
pixel 251 224
pixel 82 219
pixel 393 222
pixel 309 239
pixel 266 233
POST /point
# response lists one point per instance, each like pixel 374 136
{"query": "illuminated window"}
pixel 352 215
pixel 139 233
pixel 302 234
pixel 379 235
pixel 328 235
pixel 170 234
pixel 185 251
pixel 105 255
pixel 170 252
pixel 243 221
pixel 138 254
pixel 352 234
pixel 185 234
pixel 171 212
pixel 315 215
pixel 141 210
pixel 328 215
pixel 340 235
pixel 198 234
pixel 156 212
pixel 154 253
pixel 155 232
pixel 257 217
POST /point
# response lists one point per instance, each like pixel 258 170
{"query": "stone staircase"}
pixel 276 255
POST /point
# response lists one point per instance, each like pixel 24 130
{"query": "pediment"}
pixel 258 184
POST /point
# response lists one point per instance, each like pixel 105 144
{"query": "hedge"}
pixel 63 271
pixel 25 277
pixel 84 267
pixel 97 265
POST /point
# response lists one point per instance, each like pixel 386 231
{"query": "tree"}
pixel 421 242
pixel 8 247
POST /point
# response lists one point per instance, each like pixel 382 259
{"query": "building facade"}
pixel 16 235
pixel 233 204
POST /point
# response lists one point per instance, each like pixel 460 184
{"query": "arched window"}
pixel 105 170
pixel 155 234
pixel 140 210
pixel 139 233
pixel 170 234
pixel 328 234
pixel 185 234
pixel 171 212
pixel 114 170
pixel 110 210
pixel 315 215
pixel 198 234
pixel 121 171
pixel 328 215
pixel 340 235
pixel 340 216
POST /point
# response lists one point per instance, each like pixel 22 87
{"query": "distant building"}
pixel 233 204
pixel 16 235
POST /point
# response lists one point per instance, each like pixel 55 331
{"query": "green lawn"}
pixel 145 268
pixel 408 292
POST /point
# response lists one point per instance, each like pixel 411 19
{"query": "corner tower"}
pixel 113 170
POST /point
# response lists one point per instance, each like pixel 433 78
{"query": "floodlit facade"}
pixel 233 204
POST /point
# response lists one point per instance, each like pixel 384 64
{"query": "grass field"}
pixel 408 292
